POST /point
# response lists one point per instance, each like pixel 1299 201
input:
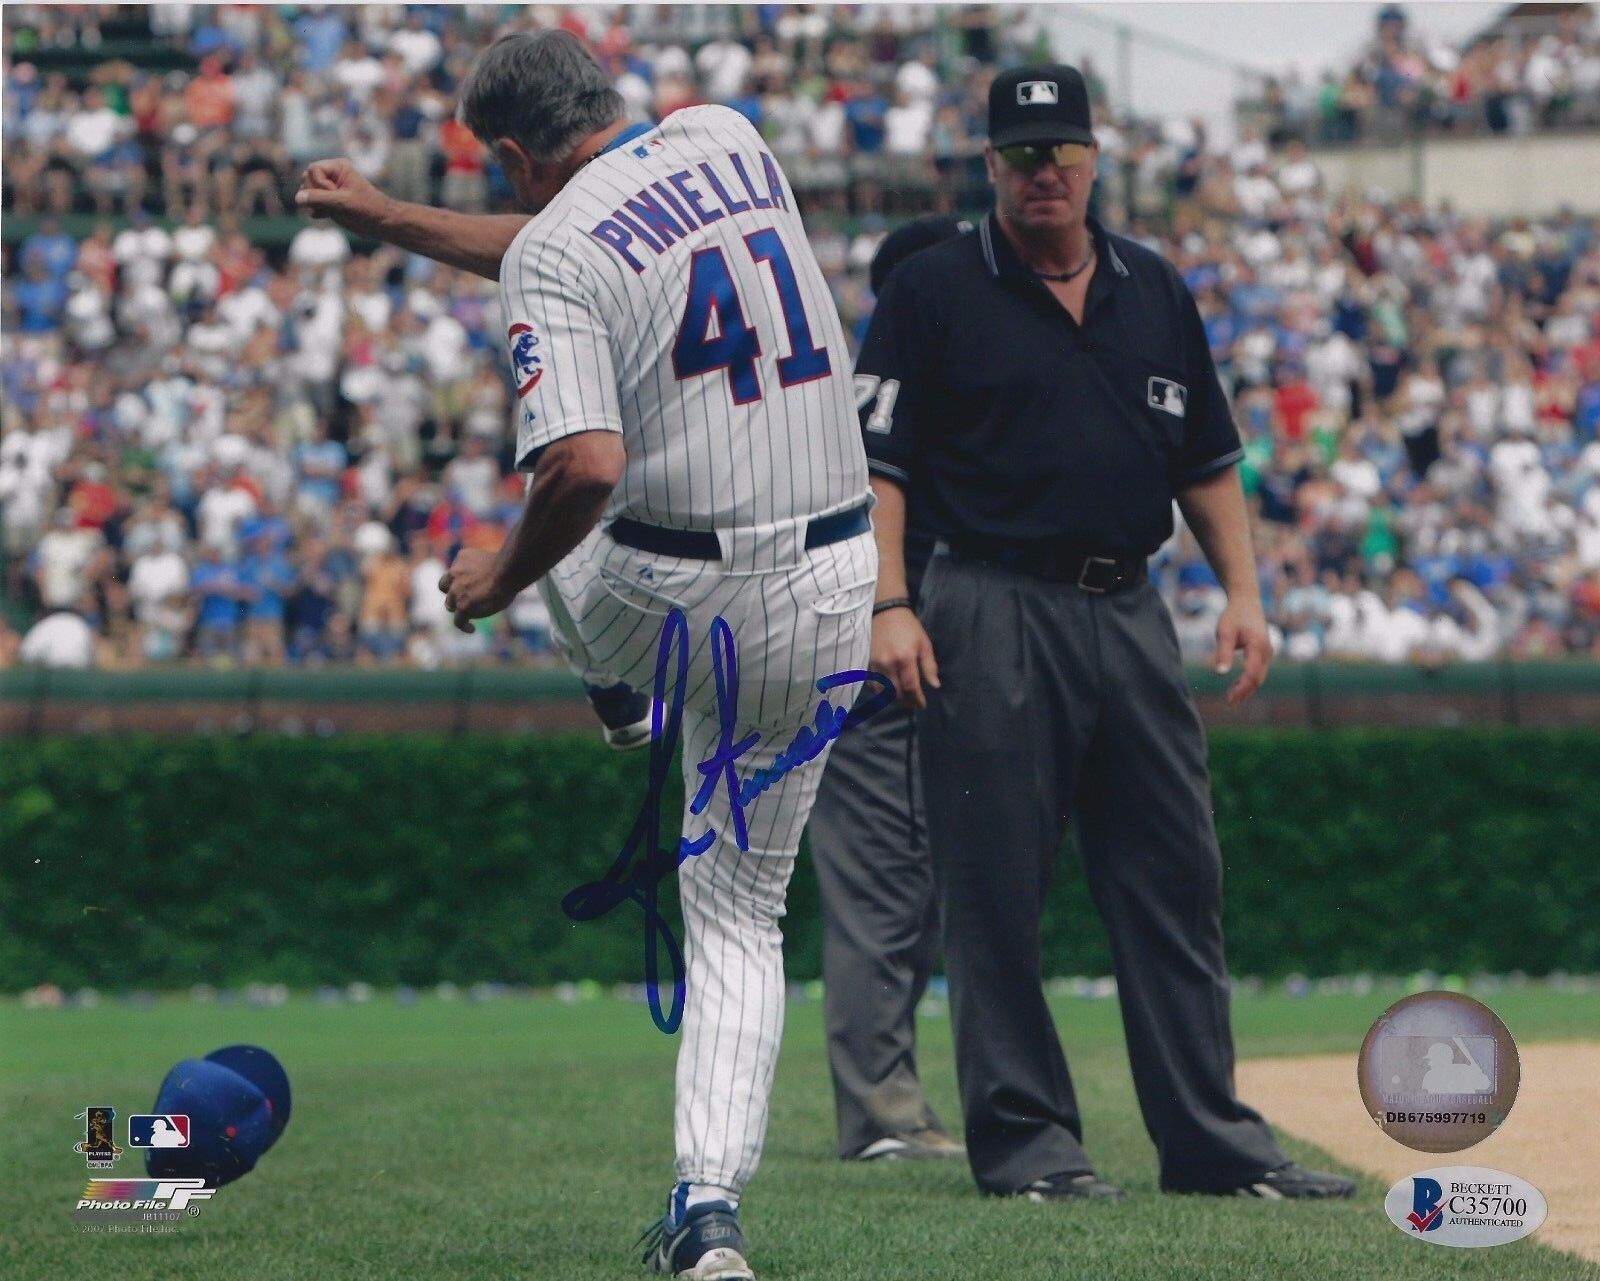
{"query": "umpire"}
pixel 880 930
pixel 1045 392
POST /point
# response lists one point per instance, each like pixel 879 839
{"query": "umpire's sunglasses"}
pixel 1026 157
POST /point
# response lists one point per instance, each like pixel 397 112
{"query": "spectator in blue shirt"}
pixel 318 464
pixel 215 584
pixel 1256 300
pixel 208 38
pixel 1350 317
pixel 40 299
pixel 312 603
pixel 748 105
pixel 50 246
pixel 267 523
pixel 265 578
pixel 19 381
pixel 864 111
pixel 1586 412
pixel 321 36
pixel 1222 329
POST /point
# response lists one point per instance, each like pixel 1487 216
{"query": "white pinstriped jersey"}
pixel 669 293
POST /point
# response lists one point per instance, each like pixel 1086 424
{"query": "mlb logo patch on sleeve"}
pixel 1169 397
pixel 158 1130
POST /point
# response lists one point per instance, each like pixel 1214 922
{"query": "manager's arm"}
pixel 574 478
pixel 474 242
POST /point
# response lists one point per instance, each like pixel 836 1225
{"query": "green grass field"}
pixel 452 1141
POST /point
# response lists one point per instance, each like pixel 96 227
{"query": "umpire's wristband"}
pixel 894 602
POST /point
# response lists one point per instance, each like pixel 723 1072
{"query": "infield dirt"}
pixel 1551 1137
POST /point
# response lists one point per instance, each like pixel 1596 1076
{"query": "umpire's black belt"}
pixel 1050 561
pixel 702 544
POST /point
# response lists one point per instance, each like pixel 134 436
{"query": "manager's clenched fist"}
pixel 471 588
pixel 335 189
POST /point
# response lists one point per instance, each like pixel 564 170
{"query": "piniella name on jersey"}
pixel 667 211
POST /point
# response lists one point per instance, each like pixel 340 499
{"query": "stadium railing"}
pixel 36 702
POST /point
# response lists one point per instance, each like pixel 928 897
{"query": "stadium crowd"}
pixel 221 450
pixel 1542 76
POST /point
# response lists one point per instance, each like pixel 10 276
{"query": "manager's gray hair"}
pixel 541 88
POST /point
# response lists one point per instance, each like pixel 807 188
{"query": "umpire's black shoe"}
pixel 1067 1187
pixel 706 1245
pixel 1293 1182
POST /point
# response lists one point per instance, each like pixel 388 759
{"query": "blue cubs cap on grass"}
pixel 237 1102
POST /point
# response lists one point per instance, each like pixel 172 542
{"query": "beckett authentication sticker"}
pixel 1465 1205
pixel 1439 1071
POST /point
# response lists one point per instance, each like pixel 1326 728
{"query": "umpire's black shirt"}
pixel 1014 423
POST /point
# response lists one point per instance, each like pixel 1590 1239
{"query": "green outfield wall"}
pixel 161 862
pixel 513 699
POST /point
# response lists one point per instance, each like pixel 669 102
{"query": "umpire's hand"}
pixel 902 651
pixel 335 189
pixel 1243 626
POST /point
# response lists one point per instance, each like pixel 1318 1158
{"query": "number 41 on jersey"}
pixel 736 344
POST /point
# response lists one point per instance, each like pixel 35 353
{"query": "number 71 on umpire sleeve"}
pixel 869 388
pixel 736 345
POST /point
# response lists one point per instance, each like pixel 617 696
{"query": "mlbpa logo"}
pixel 99 1149
pixel 1426 1211
pixel 168 1130
pixel 1038 93
pixel 525 362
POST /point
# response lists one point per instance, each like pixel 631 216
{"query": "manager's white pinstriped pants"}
pixel 796 616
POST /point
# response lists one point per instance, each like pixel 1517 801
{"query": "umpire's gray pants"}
pixel 879 927
pixel 1057 703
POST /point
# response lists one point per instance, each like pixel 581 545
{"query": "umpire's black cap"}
pixel 910 238
pixel 1042 102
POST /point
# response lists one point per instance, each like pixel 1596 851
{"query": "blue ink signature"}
pixel 638 870
pixel 807 744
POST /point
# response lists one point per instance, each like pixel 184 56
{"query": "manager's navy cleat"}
pixel 624 712
pixel 706 1245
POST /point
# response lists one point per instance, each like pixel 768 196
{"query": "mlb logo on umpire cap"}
pixel 236 1100
pixel 1043 102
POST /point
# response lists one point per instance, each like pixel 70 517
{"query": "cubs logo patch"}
pixel 1169 397
pixel 1038 93
pixel 526 364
